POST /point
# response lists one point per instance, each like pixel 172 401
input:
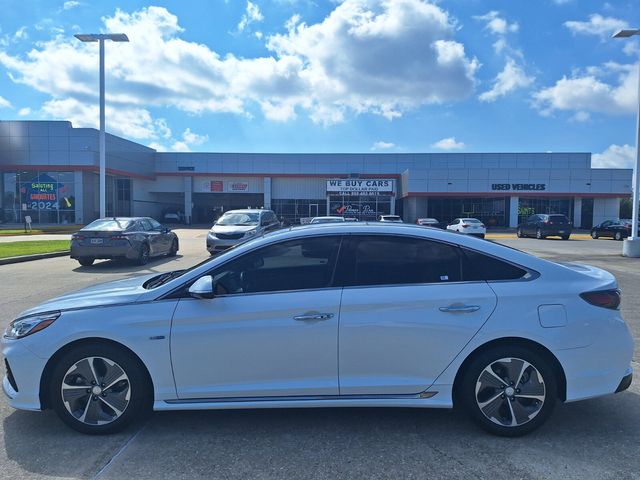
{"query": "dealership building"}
pixel 50 173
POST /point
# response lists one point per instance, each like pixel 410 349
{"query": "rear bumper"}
pixel 79 251
pixel 556 232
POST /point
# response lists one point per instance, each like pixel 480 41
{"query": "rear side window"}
pixel 388 260
pixel 478 266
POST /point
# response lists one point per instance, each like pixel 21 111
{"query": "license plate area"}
pixel 96 241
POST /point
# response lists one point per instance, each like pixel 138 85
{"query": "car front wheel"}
pixel 86 262
pixel 99 389
pixel 594 235
pixel 618 236
pixel 519 233
pixel 509 391
pixel 174 248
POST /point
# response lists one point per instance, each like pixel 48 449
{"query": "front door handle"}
pixel 313 316
pixel 460 308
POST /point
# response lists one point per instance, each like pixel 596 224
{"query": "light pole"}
pixel 631 246
pixel 101 37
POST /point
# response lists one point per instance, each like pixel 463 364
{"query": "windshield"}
pixel 108 224
pixel 239 219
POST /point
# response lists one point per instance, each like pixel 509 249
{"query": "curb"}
pixel 28 258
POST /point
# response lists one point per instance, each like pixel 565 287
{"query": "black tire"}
pixel 519 233
pixel 471 378
pixel 174 248
pixel 137 407
pixel 594 235
pixel 481 235
pixel 539 235
pixel 86 262
pixel 618 236
pixel 143 255
pixel 565 237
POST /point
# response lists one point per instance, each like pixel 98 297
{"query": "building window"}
pixel 492 211
pixel 361 207
pixel 528 206
pixel 46 197
pixel 292 211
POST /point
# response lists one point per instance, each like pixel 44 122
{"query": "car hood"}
pixel 119 291
pixel 233 228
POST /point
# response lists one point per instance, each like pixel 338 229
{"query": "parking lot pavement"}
pixel 594 439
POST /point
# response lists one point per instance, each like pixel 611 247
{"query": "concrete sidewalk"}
pixel 35 238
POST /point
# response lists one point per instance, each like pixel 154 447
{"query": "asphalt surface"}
pixel 594 439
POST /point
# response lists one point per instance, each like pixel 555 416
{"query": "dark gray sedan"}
pixel 136 239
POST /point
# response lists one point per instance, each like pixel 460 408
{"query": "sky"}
pixel 389 76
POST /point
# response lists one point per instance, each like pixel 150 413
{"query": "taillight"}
pixel 482 225
pixel 547 222
pixel 77 237
pixel 603 298
pixel 118 237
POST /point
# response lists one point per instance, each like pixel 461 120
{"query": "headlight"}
pixel 26 326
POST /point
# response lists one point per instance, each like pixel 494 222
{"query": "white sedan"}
pixel 424 317
pixel 469 226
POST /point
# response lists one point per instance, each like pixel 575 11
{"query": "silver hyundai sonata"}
pixel 332 315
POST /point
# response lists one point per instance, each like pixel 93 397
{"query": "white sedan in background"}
pixel 424 317
pixel 469 226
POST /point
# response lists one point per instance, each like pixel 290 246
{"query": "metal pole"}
pixel 636 170
pixel 103 173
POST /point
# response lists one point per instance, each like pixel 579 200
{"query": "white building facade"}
pixel 49 172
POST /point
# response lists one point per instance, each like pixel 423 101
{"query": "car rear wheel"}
pixel 99 389
pixel 539 234
pixel 86 262
pixel 509 391
pixel 143 256
pixel 618 236
pixel 594 235
pixel 519 233
pixel 174 248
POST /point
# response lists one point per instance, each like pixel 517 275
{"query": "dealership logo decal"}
pixel 519 186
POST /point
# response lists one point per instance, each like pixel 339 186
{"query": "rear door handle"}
pixel 460 308
pixel 313 316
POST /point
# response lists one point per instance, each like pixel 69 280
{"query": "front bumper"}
pixel 26 369
pixel 626 381
pixel 215 244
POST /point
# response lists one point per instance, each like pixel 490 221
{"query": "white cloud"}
pixel 448 143
pixel 23 112
pixel 496 24
pixel 598 25
pixel 615 156
pixel 4 103
pixel 362 58
pixel 191 138
pixel 511 78
pixel 610 89
pixel 380 145
pixel 69 4
pixel 251 15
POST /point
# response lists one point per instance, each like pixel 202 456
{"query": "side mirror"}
pixel 202 288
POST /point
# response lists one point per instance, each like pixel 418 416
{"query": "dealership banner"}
pixel 357 186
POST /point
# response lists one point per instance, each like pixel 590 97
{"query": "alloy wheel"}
pixel 510 392
pixel 618 236
pixel 594 235
pixel 95 391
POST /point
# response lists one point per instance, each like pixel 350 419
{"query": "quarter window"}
pixel 385 260
pixel 300 264
pixel 477 266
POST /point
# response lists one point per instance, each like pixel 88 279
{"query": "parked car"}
pixel 390 218
pixel 237 226
pixel 131 238
pixel 468 226
pixel 173 217
pixel 428 222
pixel 616 229
pixel 329 219
pixel 545 225
pixel 429 319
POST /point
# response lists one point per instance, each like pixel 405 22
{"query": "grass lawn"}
pixel 15 249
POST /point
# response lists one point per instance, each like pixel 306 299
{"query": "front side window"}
pixel 387 260
pixel 155 225
pixel 300 264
